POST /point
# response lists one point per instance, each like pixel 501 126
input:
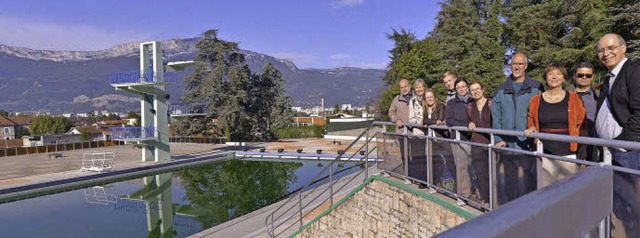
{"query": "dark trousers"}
pixel 479 172
pixel 417 159
pixel 516 176
pixel 626 192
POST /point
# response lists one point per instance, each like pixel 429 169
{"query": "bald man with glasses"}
pixel 618 118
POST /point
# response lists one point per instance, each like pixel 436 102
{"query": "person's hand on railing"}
pixel 472 126
pixel 399 123
pixel 440 123
pixel 529 130
pixel 501 144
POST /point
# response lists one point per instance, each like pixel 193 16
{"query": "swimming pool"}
pixel 174 204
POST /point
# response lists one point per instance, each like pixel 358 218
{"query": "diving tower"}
pixel 149 84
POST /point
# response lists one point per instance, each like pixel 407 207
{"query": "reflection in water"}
pixel 222 191
pixel 157 206
pixel 102 195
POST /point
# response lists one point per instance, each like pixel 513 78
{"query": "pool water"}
pixel 175 204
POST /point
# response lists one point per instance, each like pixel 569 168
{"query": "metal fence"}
pixel 178 109
pixel 484 176
pixel 43 149
pixel 198 140
pixel 132 133
pixel 135 77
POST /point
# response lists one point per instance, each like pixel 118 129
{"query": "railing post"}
pixel 539 168
pixel 405 159
pixel 606 155
pixel 384 149
pixel 366 154
pixel 331 182
pixel 605 225
pixel 429 154
pixel 492 175
pixel 300 207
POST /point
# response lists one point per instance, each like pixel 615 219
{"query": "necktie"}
pixel 606 87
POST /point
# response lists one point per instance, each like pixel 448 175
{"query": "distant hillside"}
pixel 77 81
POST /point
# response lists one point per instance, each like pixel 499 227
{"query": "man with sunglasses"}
pixel 582 79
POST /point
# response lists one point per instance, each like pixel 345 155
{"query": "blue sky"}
pixel 312 33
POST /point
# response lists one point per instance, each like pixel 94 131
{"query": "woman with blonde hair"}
pixel 417 105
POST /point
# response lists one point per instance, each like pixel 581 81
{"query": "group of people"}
pixel 523 104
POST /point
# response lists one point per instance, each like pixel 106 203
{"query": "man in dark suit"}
pixel 619 118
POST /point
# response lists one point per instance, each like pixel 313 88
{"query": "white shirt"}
pixel 606 126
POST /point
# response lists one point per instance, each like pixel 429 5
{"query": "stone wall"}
pixel 386 208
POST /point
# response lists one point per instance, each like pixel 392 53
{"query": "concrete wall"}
pixel 385 208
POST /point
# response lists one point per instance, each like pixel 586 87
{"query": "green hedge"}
pixel 342 126
pixel 314 131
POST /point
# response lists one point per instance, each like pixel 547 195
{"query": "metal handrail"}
pixel 137 77
pixel 269 220
pixel 271 226
pixel 132 133
pixel 545 136
pixel 629 145
pixel 330 187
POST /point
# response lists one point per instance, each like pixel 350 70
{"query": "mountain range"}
pixel 77 81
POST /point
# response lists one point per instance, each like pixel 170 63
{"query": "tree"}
pixel 556 31
pixel 86 136
pixel 456 32
pixel 136 116
pixel 403 41
pixel 275 106
pixel 625 20
pixel 336 109
pixel 247 106
pixel 50 125
pixel 4 113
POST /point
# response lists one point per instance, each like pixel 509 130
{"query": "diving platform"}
pixel 178 65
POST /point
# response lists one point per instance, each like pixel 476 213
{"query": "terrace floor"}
pixel 36 168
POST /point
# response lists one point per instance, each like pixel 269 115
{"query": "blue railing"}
pixel 131 133
pixel 187 109
pixel 148 77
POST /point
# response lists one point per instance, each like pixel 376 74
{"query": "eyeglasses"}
pixel 609 48
pixel 584 75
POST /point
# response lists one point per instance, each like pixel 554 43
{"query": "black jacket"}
pixel 456 115
pixel 624 98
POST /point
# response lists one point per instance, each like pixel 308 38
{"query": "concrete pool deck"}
pixel 23 170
